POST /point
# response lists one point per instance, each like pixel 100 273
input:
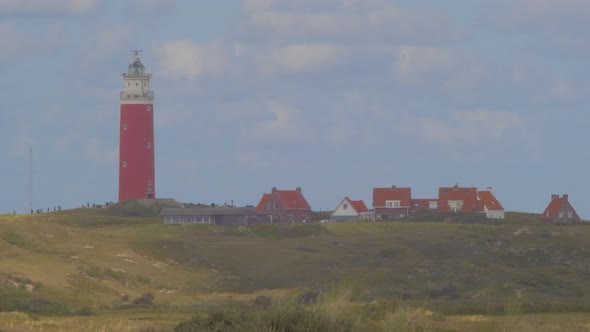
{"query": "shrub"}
pixel 308 297
pixel 262 301
pixel 146 299
pixel 84 311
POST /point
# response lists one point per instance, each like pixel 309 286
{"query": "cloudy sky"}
pixel 335 96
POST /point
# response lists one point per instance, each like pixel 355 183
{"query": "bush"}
pixel 262 301
pixel 146 299
pixel 84 311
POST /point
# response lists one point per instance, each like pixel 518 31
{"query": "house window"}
pixel 456 205
pixel 392 204
pixel 345 206
pixel 268 206
pixel 276 206
pixel 433 205
pixel 560 214
pixel 570 214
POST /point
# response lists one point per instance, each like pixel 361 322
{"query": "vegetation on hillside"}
pixel 96 262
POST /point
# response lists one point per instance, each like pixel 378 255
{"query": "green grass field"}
pixel 84 268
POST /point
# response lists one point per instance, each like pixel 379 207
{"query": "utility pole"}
pixel 30 180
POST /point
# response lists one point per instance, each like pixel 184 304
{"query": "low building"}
pixel 348 209
pixel 424 204
pixel 560 210
pixel 392 203
pixel 211 215
pixel 489 205
pixel 285 206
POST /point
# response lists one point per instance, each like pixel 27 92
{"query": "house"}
pixel 458 199
pixel 349 210
pixel 424 204
pixel 285 206
pixel 489 205
pixel 211 215
pixel 392 202
pixel 560 210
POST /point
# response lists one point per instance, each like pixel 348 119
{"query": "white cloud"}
pixel 284 124
pixel 151 6
pixel 46 7
pixel 299 58
pixel 464 127
pixel 16 44
pixel 253 159
pixel 168 118
pixel 94 150
pixel 184 59
pixel 105 43
pixel 411 63
pixel 330 20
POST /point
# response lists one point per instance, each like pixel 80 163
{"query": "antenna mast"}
pixel 30 180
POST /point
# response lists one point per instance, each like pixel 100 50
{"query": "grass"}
pixel 92 259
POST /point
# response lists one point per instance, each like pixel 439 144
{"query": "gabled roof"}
pixel 558 204
pixel 262 204
pixel 359 206
pixel 380 195
pixel 288 199
pixel 292 200
pixel 466 194
pixel 489 201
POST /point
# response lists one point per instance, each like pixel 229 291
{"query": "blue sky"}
pixel 335 96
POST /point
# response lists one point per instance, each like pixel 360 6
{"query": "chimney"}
pixel 274 189
pixel 554 197
pixel 490 189
pixel 298 189
pixel 565 197
pixel 393 188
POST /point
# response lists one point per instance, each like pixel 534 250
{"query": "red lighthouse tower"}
pixel 136 144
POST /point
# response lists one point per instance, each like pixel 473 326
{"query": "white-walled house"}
pixel 491 206
pixel 349 210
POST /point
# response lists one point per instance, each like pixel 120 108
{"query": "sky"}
pixel 334 96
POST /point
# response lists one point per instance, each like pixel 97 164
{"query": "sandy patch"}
pixel 87 246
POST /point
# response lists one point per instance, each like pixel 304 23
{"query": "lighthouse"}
pixel 136 134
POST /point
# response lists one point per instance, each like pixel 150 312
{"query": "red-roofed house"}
pixel 560 210
pixel 458 199
pixel 424 204
pixel 349 210
pixel 392 202
pixel 285 206
pixel 490 205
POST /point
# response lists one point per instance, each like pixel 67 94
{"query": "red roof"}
pixel 359 206
pixel 466 194
pixel 380 195
pixel 490 201
pixel 558 204
pixel 288 199
pixel 262 204
pixel 292 200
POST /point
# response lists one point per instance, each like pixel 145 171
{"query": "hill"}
pixel 99 260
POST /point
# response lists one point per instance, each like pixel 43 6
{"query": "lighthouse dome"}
pixel 136 68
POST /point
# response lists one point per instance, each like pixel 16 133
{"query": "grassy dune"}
pixel 85 267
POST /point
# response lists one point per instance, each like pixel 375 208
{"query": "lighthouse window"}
pixel 149 108
pixel 149 182
pixel 149 145
pixel 124 126
pixel 124 164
